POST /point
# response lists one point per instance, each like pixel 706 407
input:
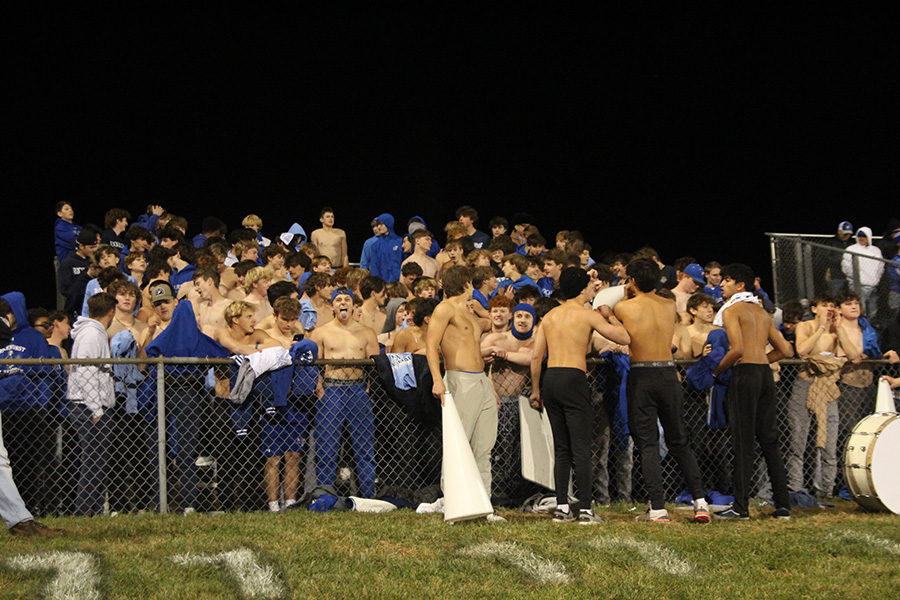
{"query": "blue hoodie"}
pixel 65 234
pixel 382 254
pixel 24 386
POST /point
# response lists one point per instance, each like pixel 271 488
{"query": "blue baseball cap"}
pixel 845 227
pixel 695 272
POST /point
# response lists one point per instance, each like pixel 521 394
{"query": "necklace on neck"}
pixel 123 323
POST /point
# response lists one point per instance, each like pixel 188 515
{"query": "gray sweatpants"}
pixel 477 407
pixel 799 418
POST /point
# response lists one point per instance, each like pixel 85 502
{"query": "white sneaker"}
pixel 189 511
pixel 495 518
pixel 274 507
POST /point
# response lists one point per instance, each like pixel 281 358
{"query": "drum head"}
pixel 886 466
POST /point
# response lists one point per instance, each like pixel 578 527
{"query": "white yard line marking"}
pixel 255 580
pixel 655 556
pixel 76 575
pixel 543 570
pixel 868 539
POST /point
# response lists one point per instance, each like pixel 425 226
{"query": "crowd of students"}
pixel 249 293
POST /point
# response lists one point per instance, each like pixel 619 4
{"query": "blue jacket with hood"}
pixel 23 387
pixel 382 254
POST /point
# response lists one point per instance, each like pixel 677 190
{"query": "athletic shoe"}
pixel 729 514
pixel 495 518
pixel 654 516
pixel 189 511
pixel 589 518
pixel 561 516
pixel 782 513
pixel 701 514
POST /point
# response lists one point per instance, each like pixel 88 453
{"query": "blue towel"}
pixel 700 377
pixel 619 417
pixel 127 376
pixel 870 339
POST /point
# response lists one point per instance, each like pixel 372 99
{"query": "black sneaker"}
pixel 560 516
pixel 782 513
pixel 729 514
pixel 588 518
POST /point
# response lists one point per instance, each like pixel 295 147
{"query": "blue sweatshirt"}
pixel 383 254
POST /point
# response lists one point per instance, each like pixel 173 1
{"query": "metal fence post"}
pixel 161 434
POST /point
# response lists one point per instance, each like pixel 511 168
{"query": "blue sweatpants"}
pixel 350 405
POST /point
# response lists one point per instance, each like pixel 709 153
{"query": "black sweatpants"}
pixel 567 399
pixel 750 401
pixel 655 393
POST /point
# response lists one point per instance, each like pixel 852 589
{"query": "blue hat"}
pixel 342 291
pixel 845 227
pixel 524 307
pixel 695 272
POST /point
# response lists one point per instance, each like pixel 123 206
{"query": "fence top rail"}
pixel 812 235
pixel 338 362
pixel 840 251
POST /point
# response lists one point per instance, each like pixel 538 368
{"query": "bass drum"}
pixel 871 462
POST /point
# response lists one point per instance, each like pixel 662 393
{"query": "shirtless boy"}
pixel 284 436
pixel 565 332
pixel 412 339
pixel 372 313
pixel 344 399
pixel 319 287
pixel 330 241
pixel 240 335
pixel 209 310
pixel 821 337
pixel 256 284
pixel 701 308
pixel 653 389
pixel 455 333
pixel 421 240
pixel 126 295
pixel 751 393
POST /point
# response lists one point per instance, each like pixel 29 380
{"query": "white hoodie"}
pixel 91 385
pixel 870 271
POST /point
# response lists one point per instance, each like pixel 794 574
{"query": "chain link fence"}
pixel 806 265
pixel 175 441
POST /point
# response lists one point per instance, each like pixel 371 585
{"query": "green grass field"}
pixel 839 553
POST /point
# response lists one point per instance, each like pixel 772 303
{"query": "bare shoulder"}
pixel 624 307
pixel 443 310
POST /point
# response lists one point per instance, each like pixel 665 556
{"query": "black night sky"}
pixel 695 139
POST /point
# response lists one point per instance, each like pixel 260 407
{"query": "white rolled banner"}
pixel 537 445
pixel 464 493
pixel 884 402
pixel 609 296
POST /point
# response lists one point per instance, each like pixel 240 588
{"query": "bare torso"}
pixel 211 315
pixel 350 339
pixel 699 331
pixel 755 326
pixel 139 329
pixel 650 321
pixel 411 339
pixel 459 344
pixel 430 266
pixel 331 243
